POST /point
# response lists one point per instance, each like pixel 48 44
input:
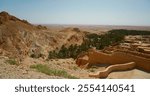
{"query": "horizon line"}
pixel 91 24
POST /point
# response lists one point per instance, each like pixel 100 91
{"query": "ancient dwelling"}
pixel 137 43
pixel 118 61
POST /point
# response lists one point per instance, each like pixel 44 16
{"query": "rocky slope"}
pixel 19 38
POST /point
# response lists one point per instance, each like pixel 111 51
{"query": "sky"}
pixel 89 12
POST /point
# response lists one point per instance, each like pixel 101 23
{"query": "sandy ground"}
pixel 23 71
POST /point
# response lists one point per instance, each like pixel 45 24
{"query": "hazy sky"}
pixel 103 12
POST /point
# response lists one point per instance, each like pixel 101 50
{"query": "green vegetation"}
pixel 12 62
pixel 45 69
pixel 36 55
pixel 71 52
pixel 112 37
pixel 129 32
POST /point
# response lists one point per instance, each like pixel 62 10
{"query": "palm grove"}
pixel 94 40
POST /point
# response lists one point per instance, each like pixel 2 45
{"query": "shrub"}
pixel 36 55
pixel 45 69
pixel 12 62
pixel 32 55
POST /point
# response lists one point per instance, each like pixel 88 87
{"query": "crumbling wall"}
pixel 96 57
pixel 117 67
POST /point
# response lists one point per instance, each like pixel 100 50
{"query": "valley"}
pixel 29 51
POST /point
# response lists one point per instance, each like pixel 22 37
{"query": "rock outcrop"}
pixel 19 38
pixel 96 57
pixel 15 35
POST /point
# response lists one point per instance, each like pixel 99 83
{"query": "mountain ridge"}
pixel 19 38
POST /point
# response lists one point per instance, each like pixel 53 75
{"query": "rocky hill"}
pixel 15 35
pixel 19 38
